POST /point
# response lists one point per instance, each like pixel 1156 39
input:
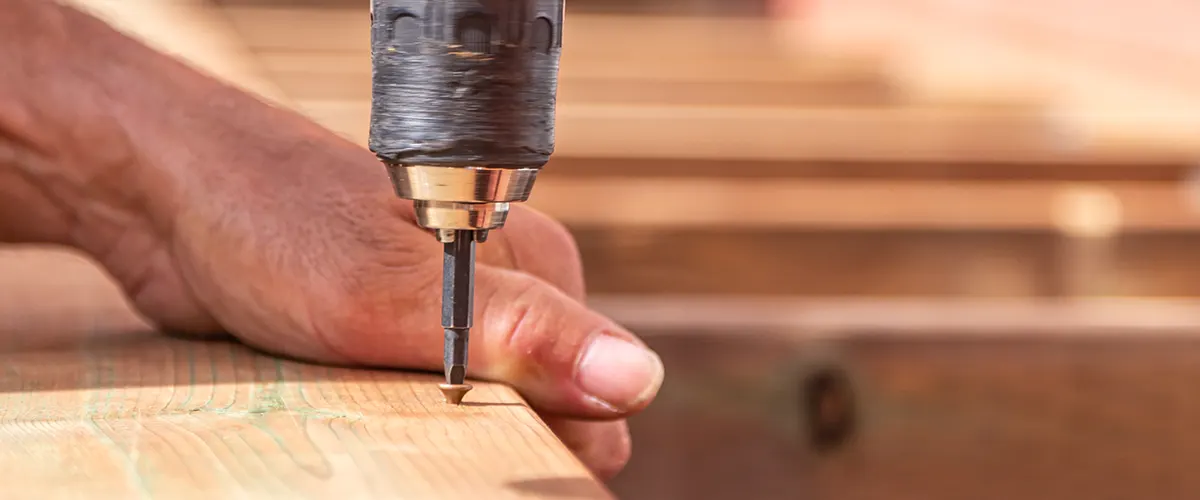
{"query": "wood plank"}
pixel 855 237
pixel 94 403
pixel 870 263
pixel 1167 54
pixel 938 51
pixel 921 318
pixel 865 89
pixel 1150 168
pixel 830 263
pixel 1042 418
pixel 773 204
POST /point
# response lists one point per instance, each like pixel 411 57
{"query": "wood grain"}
pixel 93 402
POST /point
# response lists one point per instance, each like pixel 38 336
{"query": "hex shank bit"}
pixel 458 292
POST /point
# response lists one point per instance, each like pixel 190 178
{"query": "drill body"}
pixel 462 117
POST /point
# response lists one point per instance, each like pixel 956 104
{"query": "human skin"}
pixel 219 214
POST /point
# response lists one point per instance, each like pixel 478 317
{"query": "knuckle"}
pixel 531 335
pixel 518 324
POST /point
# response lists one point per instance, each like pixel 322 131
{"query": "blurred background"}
pixel 926 249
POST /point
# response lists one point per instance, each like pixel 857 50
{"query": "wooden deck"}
pixel 93 403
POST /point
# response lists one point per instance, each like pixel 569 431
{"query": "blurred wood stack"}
pixel 706 154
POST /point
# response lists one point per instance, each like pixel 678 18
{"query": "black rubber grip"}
pixel 465 82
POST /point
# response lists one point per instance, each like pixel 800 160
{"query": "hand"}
pixel 293 241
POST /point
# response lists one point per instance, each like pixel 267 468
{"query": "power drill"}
pixel 462 117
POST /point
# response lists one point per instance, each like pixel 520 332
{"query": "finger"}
pixel 604 447
pixel 563 357
pixel 534 242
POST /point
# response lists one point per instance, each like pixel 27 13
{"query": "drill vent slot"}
pixel 474 33
pixel 406 31
pixel 543 35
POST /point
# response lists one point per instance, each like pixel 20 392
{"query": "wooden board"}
pixel 1167 55
pixel 94 403
pixel 1001 417
pixel 673 203
pixel 949 399
pixel 975 47
pixel 908 318
pixel 861 263
pixel 1148 168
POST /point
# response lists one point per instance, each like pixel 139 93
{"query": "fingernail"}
pixel 619 373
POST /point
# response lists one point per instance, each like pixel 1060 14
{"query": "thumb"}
pixel 563 357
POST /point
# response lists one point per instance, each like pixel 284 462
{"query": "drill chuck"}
pixel 463 102
pixel 459 198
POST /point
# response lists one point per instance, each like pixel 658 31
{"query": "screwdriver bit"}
pixel 462 118
pixel 458 286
